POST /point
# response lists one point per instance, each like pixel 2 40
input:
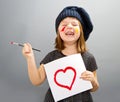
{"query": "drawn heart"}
pixel 63 72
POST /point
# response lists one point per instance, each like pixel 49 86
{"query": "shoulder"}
pixel 48 57
pixel 53 52
pixel 89 61
pixel 88 54
pixel 53 55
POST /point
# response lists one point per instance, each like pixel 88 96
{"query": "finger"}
pixel 87 77
pixel 27 48
pixel 29 45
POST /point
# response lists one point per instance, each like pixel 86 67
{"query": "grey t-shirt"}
pixel 90 64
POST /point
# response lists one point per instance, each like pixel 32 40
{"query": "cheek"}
pixel 77 30
pixel 63 28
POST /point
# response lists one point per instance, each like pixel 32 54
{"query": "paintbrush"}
pixel 22 45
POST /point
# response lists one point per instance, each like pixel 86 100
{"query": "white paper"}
pixel 64 76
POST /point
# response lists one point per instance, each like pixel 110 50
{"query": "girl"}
pixel 73 27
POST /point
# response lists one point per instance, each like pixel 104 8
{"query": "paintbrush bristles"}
pixel 22 45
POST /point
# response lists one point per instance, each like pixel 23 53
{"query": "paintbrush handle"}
pixel 32 48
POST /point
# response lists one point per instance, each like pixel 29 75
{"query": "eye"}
pixel 75 24
pixel 63 25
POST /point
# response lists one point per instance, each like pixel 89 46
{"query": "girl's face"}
pixel 69 30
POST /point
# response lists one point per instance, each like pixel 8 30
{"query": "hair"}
pixel 81 45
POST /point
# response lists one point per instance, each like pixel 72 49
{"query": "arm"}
pixel 92 77
pixel 36 75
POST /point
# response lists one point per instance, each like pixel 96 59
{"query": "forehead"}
pixel 68 19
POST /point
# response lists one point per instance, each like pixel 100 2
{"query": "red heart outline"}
pixel 64 70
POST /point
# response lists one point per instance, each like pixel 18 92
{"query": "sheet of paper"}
pixel 64 76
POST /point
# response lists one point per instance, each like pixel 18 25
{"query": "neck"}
pixel 70 49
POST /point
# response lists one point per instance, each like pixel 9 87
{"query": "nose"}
pixel 69 25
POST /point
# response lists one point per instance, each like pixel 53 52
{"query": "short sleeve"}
pixel 53 55
pixel 47 58
pixel 89 61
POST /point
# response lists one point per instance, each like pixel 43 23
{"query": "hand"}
pixel 92 77
pixel 87 75
pixel 27 50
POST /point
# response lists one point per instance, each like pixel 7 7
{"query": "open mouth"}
pixel 69 33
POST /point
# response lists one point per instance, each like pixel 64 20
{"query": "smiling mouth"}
pixel 69 33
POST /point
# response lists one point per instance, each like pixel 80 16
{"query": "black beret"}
pixel 80 14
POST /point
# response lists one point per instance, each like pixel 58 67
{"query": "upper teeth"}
pixel 69 33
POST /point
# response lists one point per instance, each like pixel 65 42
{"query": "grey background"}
pixel 33 21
